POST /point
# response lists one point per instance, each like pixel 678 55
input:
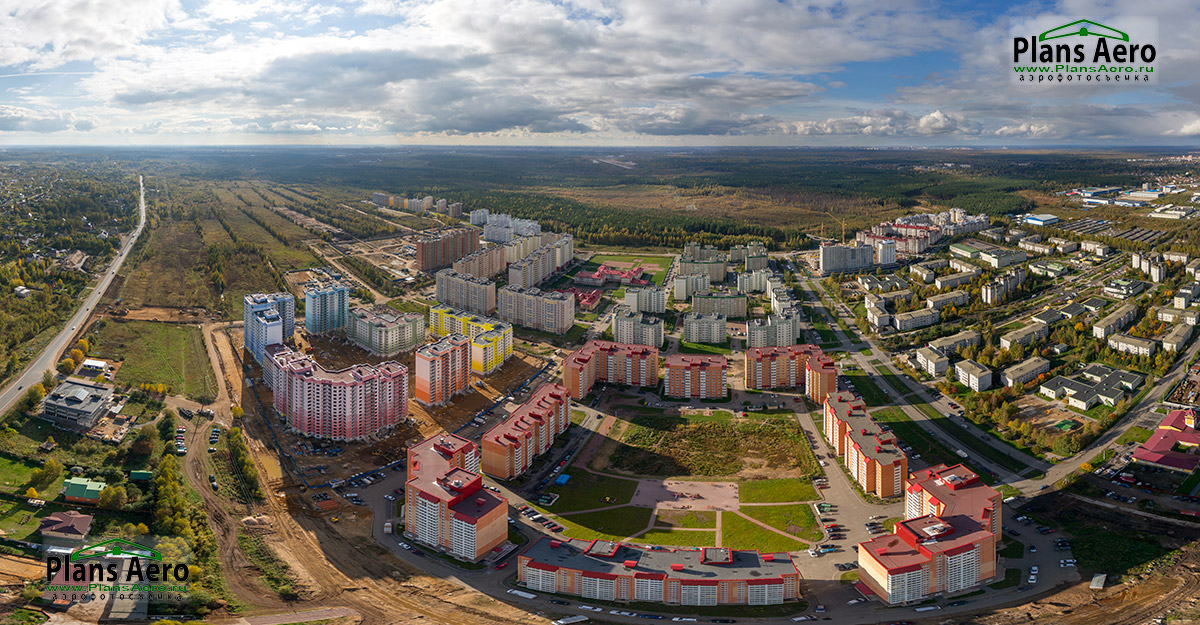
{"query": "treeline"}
pixel 240 458
pixel 51 300
pixel 279 236
pixel 376 277
pixel 176 517
pixel 598 225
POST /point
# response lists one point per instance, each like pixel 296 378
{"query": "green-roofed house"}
pixel 140 476
pixel 82 490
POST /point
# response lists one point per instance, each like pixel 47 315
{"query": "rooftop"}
pixel 691 565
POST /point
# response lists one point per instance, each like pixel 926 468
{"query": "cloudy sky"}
pixel 570 72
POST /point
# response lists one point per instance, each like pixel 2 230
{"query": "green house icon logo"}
pixel 1083 28
pixel 115 547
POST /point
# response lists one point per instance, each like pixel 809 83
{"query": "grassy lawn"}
pixel 739 533
pixel 898 385
pixel 931 451
pixel 656 264
pixel 1101 549
pixel 606 524
pixel 24 617
pixel 678 538
pixel 1012 577
pixel 587 490
pixel 572 337
pixel 1012 549
pixel 15 476
pixel 687 518
pixel 784 490
pixel 704 348
pixel 795 519
pixel 1190 483
pixel 889 524
pixel 849 577
pixel 1135 435
pixel 158 353
pixel 577 416
pixel 867 389
pixel 974 444
pixel 405 305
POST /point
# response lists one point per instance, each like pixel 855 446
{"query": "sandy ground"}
pixel 691 495
pixel 15 569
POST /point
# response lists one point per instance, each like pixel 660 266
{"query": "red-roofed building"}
pixel 614 363
pixel 804 366
pixel 585 299
pixel 445 504
pixel 1175 445
pixel 605 274
pixel 510 447
pixel 869 452
pixel 700 377
pixel 946 545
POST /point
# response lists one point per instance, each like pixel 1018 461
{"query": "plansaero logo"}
pixel 114 566
pixel 1086 51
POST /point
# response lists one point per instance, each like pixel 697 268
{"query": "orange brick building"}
pixel 700 377
pixel 611 571
pixel 946 545
pixel 869 452
pixel 614 363
pixel 442 370
pixel 791 366
pixel 510 447
pixel 445 504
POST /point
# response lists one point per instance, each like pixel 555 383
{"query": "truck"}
pixel 521 593
pixel 387 528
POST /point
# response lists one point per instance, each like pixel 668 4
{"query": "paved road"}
pixel 47 360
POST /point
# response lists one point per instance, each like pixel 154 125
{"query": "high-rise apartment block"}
pixel 442 370
pixel 491 339
pixel 510 447
pixel 687 285
pixel 777 330
pixel 695 376
pixel 699 328
pixel 714 268
pixel 946 544
pixel 612 363
pixel 267 319
pixel 732 305
pixel 871 454
pixel 804 366
pixel 445 504
pixel 443 248
pixel 646 300
pixel 384 331
pixel 634 327
pixel 836 258
pixel 542 262
pixel 346 405
pixel 326 306
pixel 550 311
pixel 477 295
pixel 488 262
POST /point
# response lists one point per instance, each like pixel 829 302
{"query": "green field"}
pixel 616 524
pixel 670 445
pixel 1135 435
pixel 870 392
pixel 587 490
pixel 1012 577
pixel 795 519
pixel 686 518
pixel 24 616
pixel 784 490
pixel 738 533
pixel 158 353
pixel 656 264
pixel 678 538
pixel 704 348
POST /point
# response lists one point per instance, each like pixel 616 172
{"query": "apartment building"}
pixel 869 452
pixel 687 285
pixel 635 328
pixel 949 345
pixel 1001 258
pixel 804 366
pixel 915 319
pixel 479 217
pixel 646 300
pixel 946 544
pixel 611 571
pixel 953 298
pixel 837 258
pixel 955 279
pixel 384 331
pixel 345 405
pixel 611 363
pixel 442 370
pixel 932 361
pixel 551 311
pixel 777 330
pixel 1133 345
pixel 999 288
pixel 974 375
pixel 442 248
pixel 714 268
pixel 460 290
pixel 1176 339
pixel 1115 321
pixel 1025 371
pixel 757 261
pixel 542 262
pixel 695 376
pixel 752 281
pixel 885 252
pixel 1024 336
pixel 445 504
pixel 267 319
pixel 326 306
pixel 488 262
pixel 699 328
pixel 510 447
pixel 732 305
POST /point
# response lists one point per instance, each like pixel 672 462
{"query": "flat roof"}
pixel 689 565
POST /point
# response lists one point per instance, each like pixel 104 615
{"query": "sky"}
pixel 575 73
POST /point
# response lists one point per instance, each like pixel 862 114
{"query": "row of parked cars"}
pixel 534 516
